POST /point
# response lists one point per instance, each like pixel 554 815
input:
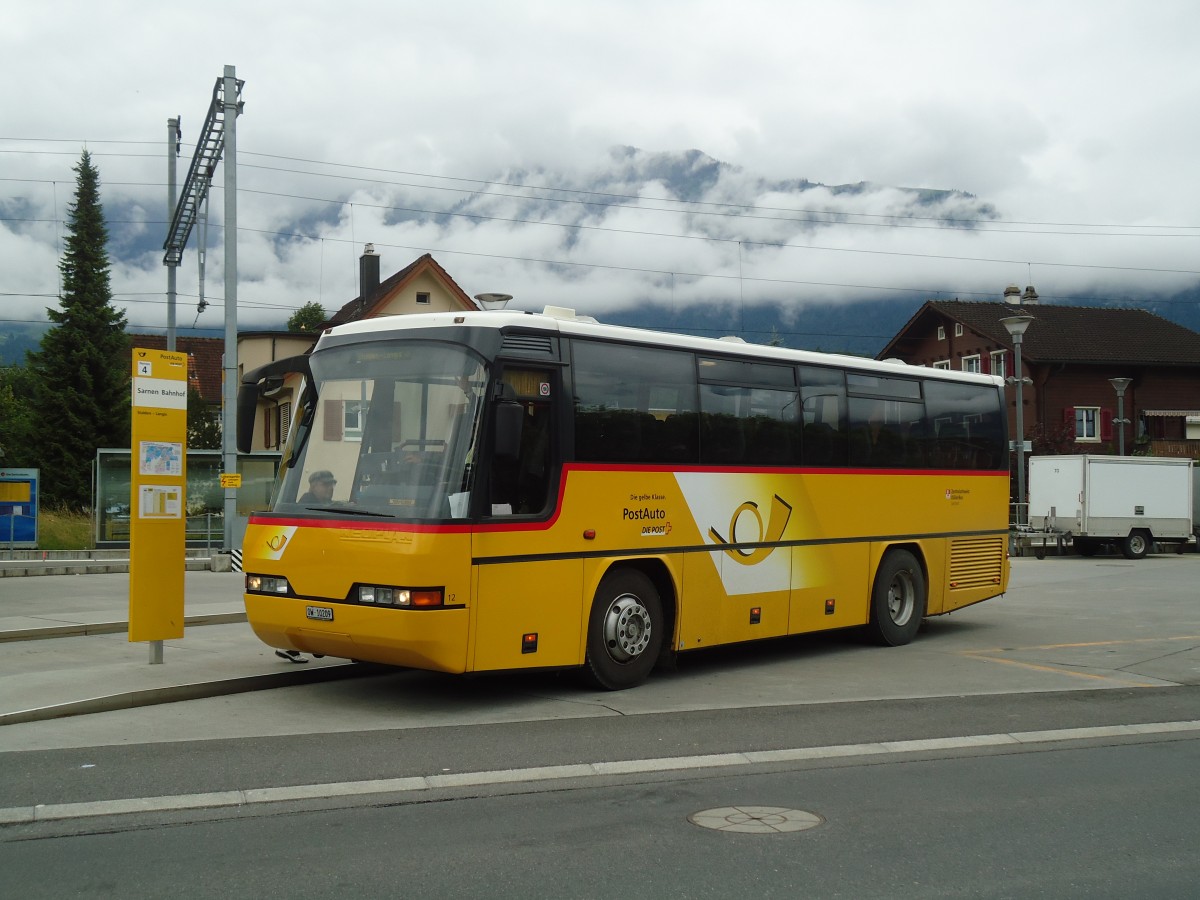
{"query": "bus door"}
pixel 528 609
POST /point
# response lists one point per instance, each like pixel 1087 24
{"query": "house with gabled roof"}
pixel 421 286
pixel 1069 354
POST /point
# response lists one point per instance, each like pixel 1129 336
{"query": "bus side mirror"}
pixel 266 381
pixel 247 407
pixel 510 418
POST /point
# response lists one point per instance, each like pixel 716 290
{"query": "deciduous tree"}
pixel 307 318
pixel 203 426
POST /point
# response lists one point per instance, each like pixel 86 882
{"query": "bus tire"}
pixel 1136 544
pixel 898 599
pixel 625 631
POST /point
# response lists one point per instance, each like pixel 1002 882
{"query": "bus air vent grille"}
pixel 976 562
pixel 528 344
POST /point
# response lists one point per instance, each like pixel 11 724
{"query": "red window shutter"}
pixel 1069 420
pixel 1106 425
pixel 985 363
pixel 333 420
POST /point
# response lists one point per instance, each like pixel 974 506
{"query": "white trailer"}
pixel 1132 501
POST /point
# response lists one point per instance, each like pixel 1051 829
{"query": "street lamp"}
pixel 1119 385
pixel 493 300
pixel 1016 325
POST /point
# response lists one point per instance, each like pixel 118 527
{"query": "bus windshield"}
pixel 391 433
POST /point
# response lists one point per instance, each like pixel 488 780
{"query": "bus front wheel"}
pixel 625 631
pixel 898 599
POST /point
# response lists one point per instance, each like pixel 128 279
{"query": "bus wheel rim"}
pixel 626 628
pixel 901 598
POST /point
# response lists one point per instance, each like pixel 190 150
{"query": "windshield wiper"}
pixel 349 511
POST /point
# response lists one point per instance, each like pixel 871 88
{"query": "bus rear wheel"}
pixel 898 599
pixel 625 631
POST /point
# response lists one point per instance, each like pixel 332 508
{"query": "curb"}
pixel 81 630
pixel 10 569
pixel 196 691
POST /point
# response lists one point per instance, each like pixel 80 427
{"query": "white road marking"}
pixel 17 815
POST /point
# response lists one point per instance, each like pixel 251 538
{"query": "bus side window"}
pixel 634 404
pixel 823 411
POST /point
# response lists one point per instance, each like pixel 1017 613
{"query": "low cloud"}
pixel 678 154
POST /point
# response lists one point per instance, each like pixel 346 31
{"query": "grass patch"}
pixel 61 529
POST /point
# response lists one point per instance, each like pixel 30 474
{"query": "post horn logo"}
pixel 781 512
pixel 276 542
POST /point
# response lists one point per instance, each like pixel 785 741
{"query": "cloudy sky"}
pixel 497 135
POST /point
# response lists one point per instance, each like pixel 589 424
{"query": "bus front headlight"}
pixel 266 584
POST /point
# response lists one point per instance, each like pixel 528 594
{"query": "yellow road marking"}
pixel 1182 637
pixel 1056 670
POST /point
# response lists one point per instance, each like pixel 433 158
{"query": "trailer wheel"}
pixel 1136 544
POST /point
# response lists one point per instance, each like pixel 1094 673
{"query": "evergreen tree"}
pixel 16 417
pixel 308 318
pixel 81 372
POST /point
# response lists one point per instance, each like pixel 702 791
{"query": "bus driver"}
pixel 320 488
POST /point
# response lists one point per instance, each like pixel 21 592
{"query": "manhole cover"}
pixel 756 819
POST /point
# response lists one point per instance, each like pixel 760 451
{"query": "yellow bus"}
pixel 504 490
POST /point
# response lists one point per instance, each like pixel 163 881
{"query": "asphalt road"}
pixel 1107 821
pixel 1041 744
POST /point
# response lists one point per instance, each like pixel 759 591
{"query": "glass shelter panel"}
pixel 204 495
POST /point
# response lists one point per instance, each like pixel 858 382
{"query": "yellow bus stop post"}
pixel 158 498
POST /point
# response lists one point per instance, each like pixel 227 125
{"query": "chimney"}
pixel 1030 297
pixel 1012 295
pixel 368 275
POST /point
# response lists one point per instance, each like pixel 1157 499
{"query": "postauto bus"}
pixel 515 490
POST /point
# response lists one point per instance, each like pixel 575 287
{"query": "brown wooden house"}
pixel 1069 353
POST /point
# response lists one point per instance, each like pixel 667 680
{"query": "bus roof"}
pixel 564 322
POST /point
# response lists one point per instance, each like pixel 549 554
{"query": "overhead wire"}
pixel 693 206
pixel 725 211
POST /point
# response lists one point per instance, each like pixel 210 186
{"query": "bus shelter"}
pixel 205 498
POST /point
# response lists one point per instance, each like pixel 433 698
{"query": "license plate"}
pixel 323 613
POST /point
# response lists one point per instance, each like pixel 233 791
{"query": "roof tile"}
pixel 1082 334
